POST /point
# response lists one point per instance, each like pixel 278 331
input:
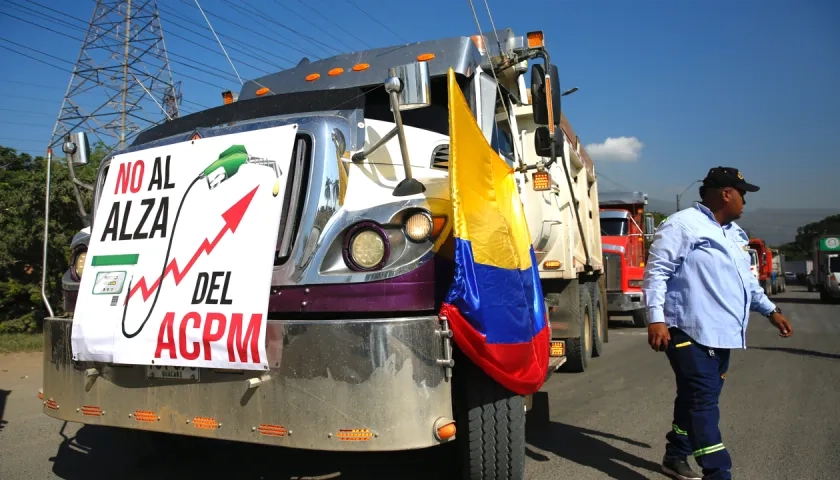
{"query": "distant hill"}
pixel 774 225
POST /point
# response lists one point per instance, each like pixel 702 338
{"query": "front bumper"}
pixel 625 302
pixel 359 385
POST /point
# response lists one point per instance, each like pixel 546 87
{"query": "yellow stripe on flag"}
pixel 487 209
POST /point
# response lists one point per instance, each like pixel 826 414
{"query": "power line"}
pixel 377 21
pixel 339 27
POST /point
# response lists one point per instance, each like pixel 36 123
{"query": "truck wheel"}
pixel 579 350
pixel 599 323
pixel 640 318
pixel 491 425
pixel 767 290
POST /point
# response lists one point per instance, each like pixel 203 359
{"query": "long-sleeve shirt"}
pixel 698 279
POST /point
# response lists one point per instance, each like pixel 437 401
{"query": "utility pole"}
pixel 122 75
pixel 683 193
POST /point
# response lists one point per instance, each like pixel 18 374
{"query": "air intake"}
pixel 440 157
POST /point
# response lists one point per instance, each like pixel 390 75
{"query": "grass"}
pixel 21 342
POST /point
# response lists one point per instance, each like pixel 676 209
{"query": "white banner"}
pixel 208 211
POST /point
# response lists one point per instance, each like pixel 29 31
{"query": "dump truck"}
pixel 624 228
pixel 272 270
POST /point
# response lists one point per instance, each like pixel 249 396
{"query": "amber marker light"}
pixel 536 39
pixel 542 181
pixel 312 77
pixel 335 72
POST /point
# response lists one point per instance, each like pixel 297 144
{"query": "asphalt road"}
pixel 779 420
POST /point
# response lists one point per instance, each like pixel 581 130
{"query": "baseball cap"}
pixel 722 177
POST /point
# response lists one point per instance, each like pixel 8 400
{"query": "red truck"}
pixel 765 265
pixel 623 217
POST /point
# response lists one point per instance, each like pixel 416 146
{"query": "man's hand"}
pixel 779 321
pixel 658 336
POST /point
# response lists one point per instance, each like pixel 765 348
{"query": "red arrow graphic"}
pixel 233 216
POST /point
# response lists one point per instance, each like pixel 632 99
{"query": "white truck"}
pixel 353 355
pixel 826 275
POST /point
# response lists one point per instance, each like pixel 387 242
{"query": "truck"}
pixel 753 262
pixel 765 264
pixel 624 228
pixel 826 274
pixel 354 249
pixel 779 279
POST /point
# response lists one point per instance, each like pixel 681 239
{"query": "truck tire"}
pixel 640 318
pixel 767 288
pixel 491 425
pixel 599 323
pixel 579 350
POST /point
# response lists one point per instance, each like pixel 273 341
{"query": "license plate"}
pixel 170 372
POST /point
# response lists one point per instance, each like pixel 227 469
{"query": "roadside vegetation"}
pixel 22 188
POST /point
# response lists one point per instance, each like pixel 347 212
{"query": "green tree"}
pixel 802 246
pixel 22 192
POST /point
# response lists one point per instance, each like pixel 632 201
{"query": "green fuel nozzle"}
pixel 228 163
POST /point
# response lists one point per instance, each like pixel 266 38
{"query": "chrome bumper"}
pixel 357 385
pixel 625 302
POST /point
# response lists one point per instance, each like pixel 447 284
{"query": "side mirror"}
pixel 542 142
pixel 77 148
pixel 649 226
pixel 540 97
pixel 413 86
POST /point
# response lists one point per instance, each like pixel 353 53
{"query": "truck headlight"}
pixel 635 283
pixel 418 227
pixel 366 247
pixel 77 263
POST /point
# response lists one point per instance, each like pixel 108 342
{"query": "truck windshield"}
pixel 753 258
pixel 614 227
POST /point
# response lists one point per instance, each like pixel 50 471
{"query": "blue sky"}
pixel 667 88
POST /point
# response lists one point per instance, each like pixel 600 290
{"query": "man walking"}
pixel 698 292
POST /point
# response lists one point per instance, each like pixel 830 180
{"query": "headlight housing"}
pixel 77 262
pixel 418 227
pixel 366 247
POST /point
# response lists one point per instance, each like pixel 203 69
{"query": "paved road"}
pixel 779 420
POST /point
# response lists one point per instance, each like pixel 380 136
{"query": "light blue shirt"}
pixel 698 279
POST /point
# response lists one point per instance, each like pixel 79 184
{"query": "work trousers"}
pixel 700 373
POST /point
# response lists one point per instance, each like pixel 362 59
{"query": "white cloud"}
pixel 621 149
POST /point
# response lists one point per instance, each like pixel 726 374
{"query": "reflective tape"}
pixel 679 430
pixel 708 450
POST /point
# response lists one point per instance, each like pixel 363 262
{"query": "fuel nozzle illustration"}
pixel 228 163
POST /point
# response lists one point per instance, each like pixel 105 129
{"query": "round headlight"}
pixel 418 227
pixel 79 263
pixel 367 249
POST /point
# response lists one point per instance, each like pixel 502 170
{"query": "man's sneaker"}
pixel 678 468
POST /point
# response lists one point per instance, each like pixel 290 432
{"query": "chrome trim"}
pixel 625 302
pixel 380 374
pixel 612 248
pixel 620 214
pixel 612 269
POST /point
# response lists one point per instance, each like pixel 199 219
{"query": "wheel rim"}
pixel 587 321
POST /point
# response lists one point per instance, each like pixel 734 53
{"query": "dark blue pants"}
pixel 700 373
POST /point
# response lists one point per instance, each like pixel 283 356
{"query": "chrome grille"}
pixel 612 267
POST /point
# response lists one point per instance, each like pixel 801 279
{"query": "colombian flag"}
pixel 495 303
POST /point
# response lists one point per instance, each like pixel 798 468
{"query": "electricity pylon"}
pixel 122 75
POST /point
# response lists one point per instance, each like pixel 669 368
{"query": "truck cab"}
pixel 765 265
pixel 826 273
pixel 624 227
pixel 753 262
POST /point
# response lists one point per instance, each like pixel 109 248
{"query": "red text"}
pixel 130 177
pixel 241 339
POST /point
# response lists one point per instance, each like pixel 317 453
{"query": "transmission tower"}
pixel 122 74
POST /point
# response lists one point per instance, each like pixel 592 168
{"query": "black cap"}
pixel 722 177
